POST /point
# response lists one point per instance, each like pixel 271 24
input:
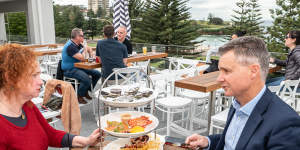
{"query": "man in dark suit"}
pixel 257 119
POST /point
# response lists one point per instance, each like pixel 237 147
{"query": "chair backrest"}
pixel 125 76
pixel 276 89
pixel 173 64
pixel 159 83
pixel 289 88
pixel 143 65
pixel 187 63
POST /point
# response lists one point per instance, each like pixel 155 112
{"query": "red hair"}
pixel 16 64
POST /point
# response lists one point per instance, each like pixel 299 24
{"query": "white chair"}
pixel 143 65
pixel 172 105
pixel 222 105
pixel 76 83
pixel 160 84
pixel 218 121
pixel 288 92
pixel 73 81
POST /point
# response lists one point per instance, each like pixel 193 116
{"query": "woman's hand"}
pixel 94 138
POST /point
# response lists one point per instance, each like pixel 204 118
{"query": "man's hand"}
pixel 196 140
pixel 272 60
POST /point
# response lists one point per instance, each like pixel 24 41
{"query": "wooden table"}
pixel 43 45
pixel 166 147
pixel 274 69
pixel 48 52
pixel 138 57
pixel 87 65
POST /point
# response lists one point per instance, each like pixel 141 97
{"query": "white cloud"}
pixel 223 8
pixel 201 8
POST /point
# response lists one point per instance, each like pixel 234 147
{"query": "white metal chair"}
pixel 218 121
pixel 143 65
pixel 173 105
pixel 127 76
pixel 76 83
pixel 222 105
pixel 288 92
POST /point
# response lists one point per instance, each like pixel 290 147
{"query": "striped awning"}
pixel 121 15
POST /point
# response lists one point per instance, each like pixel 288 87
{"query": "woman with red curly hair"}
pixel 22 126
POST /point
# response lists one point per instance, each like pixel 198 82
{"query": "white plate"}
pixel 115 145
pixel 135 103
pixel 116 116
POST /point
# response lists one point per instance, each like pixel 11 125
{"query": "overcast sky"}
pixel 201 8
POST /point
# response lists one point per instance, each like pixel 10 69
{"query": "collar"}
pixel 110 39
pixel 248 108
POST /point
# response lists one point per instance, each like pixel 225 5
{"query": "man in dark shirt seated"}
pixel 112 53
pixel 121 37
pixel 74 52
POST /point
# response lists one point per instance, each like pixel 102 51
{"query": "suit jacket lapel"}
pixel 255 119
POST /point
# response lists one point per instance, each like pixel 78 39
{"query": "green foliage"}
pixel 64 19
pixel 166 22
pixel 16 23
pixel 216 21
pixel 247 18
pixel 90 27
pixel 68 17
pixel 135 8
pixel 285 18
pixel 100 12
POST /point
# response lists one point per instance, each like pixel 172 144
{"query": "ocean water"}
pixel 212 40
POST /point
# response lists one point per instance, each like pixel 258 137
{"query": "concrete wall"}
pixel 2 28
pixel 40 22
pixel 40 18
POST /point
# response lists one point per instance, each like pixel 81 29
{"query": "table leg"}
pixel 211 108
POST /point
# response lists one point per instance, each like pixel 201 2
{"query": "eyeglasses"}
pixel 286 37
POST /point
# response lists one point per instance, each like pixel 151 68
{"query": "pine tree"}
pixel 166 22
pixel 285 18
pixel 135 8
pixel 210 17
pixel 254 19
pixel 240 19
pixel 90 26
pixel 78 18
pixel 99 13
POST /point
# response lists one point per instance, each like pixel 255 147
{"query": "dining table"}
pixel 133 58
pixel 165 147
pixel 208 83
pixel 47 52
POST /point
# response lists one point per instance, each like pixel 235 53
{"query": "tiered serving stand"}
pixel 127 101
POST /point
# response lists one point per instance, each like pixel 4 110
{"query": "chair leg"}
pixel 168 121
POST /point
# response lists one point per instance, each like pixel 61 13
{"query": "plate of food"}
pixel 127 96
pixel 128 124
pixel 145 142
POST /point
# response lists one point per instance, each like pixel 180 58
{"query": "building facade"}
pixel 96 4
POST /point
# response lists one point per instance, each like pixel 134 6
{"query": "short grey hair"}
pixel 125 28
pixel 249 50
pixel 75 32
